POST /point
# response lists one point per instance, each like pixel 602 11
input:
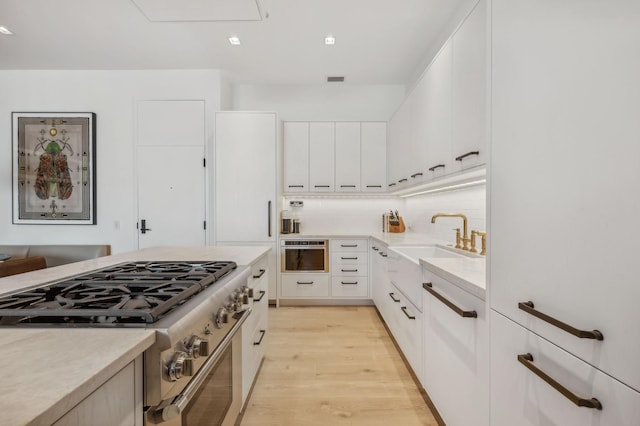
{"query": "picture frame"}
pixel 54 168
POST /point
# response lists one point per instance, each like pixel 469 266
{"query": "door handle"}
pixel 143 227
pixel 269 218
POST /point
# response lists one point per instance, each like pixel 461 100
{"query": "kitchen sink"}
pixel 414 253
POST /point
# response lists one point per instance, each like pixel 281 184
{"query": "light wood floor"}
pixel 333 366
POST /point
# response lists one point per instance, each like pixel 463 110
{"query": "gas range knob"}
pixel 233 307
pixel 204 348
pixel 248 291
pixel 181 365
pixel 222 317
pixel 194 348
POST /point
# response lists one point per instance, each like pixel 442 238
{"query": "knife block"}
pixel 397 228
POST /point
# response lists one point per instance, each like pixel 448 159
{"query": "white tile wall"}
pixel 364 215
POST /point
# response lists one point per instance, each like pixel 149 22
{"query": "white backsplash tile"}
pixel 364 215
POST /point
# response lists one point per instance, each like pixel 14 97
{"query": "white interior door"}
pixel 171 173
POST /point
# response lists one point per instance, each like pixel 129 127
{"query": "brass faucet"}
pixel 465 235
pixel 474 234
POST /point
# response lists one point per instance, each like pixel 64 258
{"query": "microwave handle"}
pixel 174 409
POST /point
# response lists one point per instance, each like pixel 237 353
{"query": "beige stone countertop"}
pixel 47 371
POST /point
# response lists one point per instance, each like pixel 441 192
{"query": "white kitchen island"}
pixel 49 371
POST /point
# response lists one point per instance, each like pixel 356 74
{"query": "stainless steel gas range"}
pixel 192 373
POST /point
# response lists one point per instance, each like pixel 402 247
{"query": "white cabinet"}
pixel 436 117
pixel 406 275
pixel 349 268
pixel 521 397
pixel 468 144
pixel 322 156
pixel 296 156
pixel 254 329
pixel 304 285
pixel 347 157
pixel 373 156
pixel 405 323
pixel 456 352
pixel 118 402
pixel 379 279
pixel 565 175
pixel 245 170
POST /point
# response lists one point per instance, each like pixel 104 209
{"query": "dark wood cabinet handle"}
pixel 322 186
pixel 528 307
pixel 347 186
pixel 374 186
pixel 262 333
pixel 348 258
pixel 404 310
pixel 296 186
pixel 304 282
pixel 527 361
pixel 259 299
pixel 349 270
pixel 393 298
pixel 413 176
pixel 349 245
pixel 349 283
pixel 431 169
pixel 463 156
pixel 454 308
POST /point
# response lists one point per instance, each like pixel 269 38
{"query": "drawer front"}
pixel 520 397
pixel 406 326
pixel 353 245
pixel 406 276
pixel 456 353
pixel 305 285
pixel 260 301
pixel 349 286
pixel 349 260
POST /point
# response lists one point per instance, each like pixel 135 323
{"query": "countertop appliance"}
pixel 196 308
pixel 304 255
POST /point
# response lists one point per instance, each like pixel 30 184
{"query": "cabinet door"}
pixel 565 175
pixel 347 157
pixel 399 137
pixel 245 157
pixel 520 397
pixel 469 91
pixel 437 114
pixel 296 156
pixel 373 157
pixel 456 354
pixel 322 156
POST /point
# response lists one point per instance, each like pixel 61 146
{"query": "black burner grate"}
pixel 128 293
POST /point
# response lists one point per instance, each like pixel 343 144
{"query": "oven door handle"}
pixel 180 402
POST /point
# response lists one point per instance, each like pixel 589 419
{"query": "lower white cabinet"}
pixel 254 329
pixel 349 268
pixel 304 285
pixel 456 353
pixel 118 402
pixel 405 323
pixel 521 397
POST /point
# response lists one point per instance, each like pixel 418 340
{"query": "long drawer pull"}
pixel 454 308
pixel 348 258
pixel 347 186
pixel 432 169
pixel 402 180
pixel 413 176
pixel 392 184
pixel 296 186
pixel 262 293
pixel 349 283
pixel 463 156
pixel 304 282
pixel 260 274
pixel 528 307
pixel 349 270
pixel 374 186
pixel 404 309
pixel 262 333
pixel 393 298
pixel 322 186
pixel 349 245
pixel 527 361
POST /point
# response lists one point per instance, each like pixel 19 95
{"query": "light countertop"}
pixel 47 371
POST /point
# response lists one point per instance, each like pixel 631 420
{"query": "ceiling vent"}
pixel 335 79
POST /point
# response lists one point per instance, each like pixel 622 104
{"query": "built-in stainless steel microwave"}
pixel 304 255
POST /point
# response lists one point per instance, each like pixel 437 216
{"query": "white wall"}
pixel 326 102
pixel 112 96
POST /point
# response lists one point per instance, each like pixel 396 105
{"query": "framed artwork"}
pixel 54 168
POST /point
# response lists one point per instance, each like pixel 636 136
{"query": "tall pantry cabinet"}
pixel 564 205
pixel 245 182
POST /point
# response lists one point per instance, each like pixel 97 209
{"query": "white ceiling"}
pixel 378 41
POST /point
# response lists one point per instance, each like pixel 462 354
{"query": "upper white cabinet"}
pixel 348 157
pixel 245 159
pixel 565 179
pixel 468 143
pixel 335 157
pixel 440 128
pixel 322 156
pixel 373 156
pixel 296 156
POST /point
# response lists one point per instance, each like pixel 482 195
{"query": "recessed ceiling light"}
pixel 5 31
pixel 235 40
pixel 329 40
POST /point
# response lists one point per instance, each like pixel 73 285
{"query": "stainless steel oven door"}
pixel 304 256
pixel 214 396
